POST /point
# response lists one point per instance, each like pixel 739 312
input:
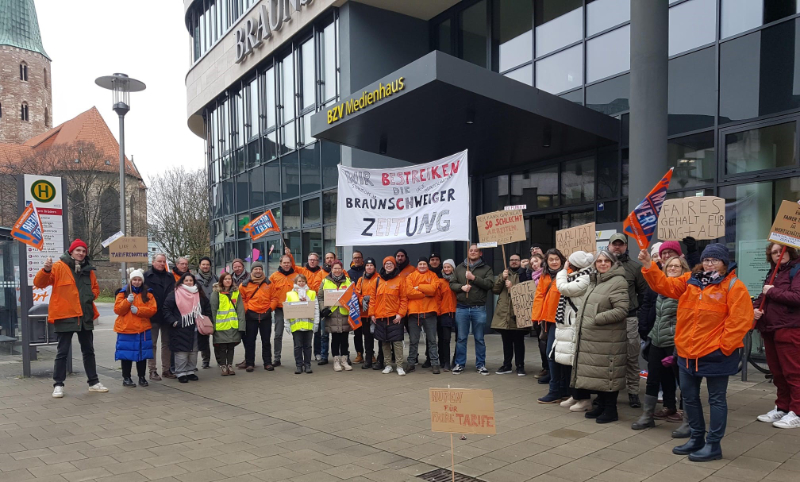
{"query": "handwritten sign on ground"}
pixel 522 301
pixel 298 309
pixel 332 297
pixel 786 229
pixel 701 217
pixel 460 410
pixel 579 238
pixel 501 226
pixel 128 250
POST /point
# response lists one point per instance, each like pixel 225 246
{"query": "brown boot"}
pixel 223 370
pixel 230 370
pixel 167 374
pixel 359 358
pixel 154 376
pixel 242 365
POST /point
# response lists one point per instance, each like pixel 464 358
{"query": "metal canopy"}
pixel 448 105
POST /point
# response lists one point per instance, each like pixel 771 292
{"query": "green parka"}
pixel 663 333
pixel 481 285
pixel 504 318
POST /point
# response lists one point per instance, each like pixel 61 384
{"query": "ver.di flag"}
pixel 28 228
pixel 350 300
pixel 261 226
pixel 642 222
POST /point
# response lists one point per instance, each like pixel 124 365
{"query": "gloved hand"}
pixel 325 313
pixel 669 361
pixel 365 304
pixel 134 310
pixel 130 298
pixel 691 244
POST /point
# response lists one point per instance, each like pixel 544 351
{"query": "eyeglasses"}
pixel 775 253
pixel 711 261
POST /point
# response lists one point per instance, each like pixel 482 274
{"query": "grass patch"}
pixel 106 296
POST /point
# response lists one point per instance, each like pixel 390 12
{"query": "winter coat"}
pixel 637 286
pixel 711 318
pixel 545 301
pixel 303 324
pixel 134 346
pixel 481 285
pixel 312 275
pixel 259 298
pixel 182 338
pixel 504 318
pixel 365 290
pixel 647 313
pixel 782 306
pixel 662 334
pixel 284 282
pixel 572 287
pixel 421 292
pixel 390 301
pixel 355 273
pixel 206 286
pixel 447 301
pixel 234 334
pixel 337 322
pixel 71 305
pixel 127 321
pixel 602 334
pixel 161 283
pixel 406 271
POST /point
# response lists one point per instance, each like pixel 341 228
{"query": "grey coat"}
pixel 602 336
pixel 663 333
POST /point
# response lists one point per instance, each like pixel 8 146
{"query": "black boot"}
pixel 308 368
pixel 596 410
pixel 710 451
pixel 143 382
pixel 427 364
pixel 609 404
pixel 693 445
pixel 128 383
pixel 298 370
pixel 633 400
pixel 367 361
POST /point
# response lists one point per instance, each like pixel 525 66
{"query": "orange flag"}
pixel 642 222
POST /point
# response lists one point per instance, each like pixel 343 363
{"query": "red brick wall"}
pixel 37 92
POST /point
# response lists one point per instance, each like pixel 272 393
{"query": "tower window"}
pixel 46 117
pixel 23 111
pixel 23 72
pixel 1 110
pixel 45 79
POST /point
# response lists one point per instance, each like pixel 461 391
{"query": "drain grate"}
pixel 445 475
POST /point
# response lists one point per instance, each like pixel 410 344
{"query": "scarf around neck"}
pixel 707 277
pixel 368 275
pixel 287 272
pixel 301 292
pixel 535 275
pixel 563 300
pixel 552 272
pixel 449 277
pixel 474 265
pixel 188 301
pixel 387 276
pixel 239 279
pixel 206 277
pixel 337 279
pixel 255 279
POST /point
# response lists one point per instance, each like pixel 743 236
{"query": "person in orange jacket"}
pixel 260 298
pixel 543 311
pixel 714 315
pixel 134 306
pixel 446 310
pixel 72 310
pixel 365 290
pixel 404 267
pixel 387 312
pixel 181 268
pixel 421 288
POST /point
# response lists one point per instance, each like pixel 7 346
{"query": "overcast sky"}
pixel 145 39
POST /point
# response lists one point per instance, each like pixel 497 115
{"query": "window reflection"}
pixel 312 213
pixel 604 14
pixel 329 61
pixel 309 82
pixel 611 96
pixel 577 181
pixel 290 176
pixel 309 168
pixel 329 200
pixel 692 24
pixel 693 159
pixel 473 34
pixel 537 188
pixel 560 72
pixel 692 91
pixel 512 33
pixel 608 54
pixel 740 15
pixel 558 23
pixel 522 74
pixel 291 216
pixel 444 40
pixel 757 149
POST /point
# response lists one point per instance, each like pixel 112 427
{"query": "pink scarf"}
pixel 188 304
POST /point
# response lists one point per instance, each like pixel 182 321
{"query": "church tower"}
pixel 26 100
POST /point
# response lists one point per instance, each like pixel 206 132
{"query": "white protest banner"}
pixel 407 205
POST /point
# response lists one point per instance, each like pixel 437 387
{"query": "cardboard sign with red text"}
pixel 461 410
pixel 786 228
pixel 503 227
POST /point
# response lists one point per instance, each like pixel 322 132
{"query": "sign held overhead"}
pixel 579 238
pixel 699 217
pixel 786 230
pixel 502 227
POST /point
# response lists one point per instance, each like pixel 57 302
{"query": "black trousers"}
pixel 302 347
pixel 513 346
pixel 223 352
pixel 357 339
pixel 537 328
pixel 339 344
pixel 252 330
pixel 369 341
pixel 86 339
pixel 659 375
pixel 205 347
pixel 443 333
pixel 141 368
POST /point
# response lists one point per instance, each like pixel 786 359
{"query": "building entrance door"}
pixel 542 228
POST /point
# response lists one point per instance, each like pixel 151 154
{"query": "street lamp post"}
pixel 121 86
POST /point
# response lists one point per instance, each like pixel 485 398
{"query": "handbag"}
pixel 204 325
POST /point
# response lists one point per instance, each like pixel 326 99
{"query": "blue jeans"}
pixel 474 317
pixel 559 374
pixel 717 401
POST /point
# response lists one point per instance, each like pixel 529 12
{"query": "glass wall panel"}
pixel 608 54
pixel 778 9
pixel 287 89
pixel 329 200
pixel 693 159
pixel 512 34
pixel 257 187
pixel 309 169
pixel 607 212
pixel 495 193
pixel 474 35
pixel 308 74
pixel 558 23
pixel 538 188
pixel 692 91
pixel 522 74
pixel 270 146
pixel 253 109
pixel 291 215
pixel 328 52
pixel 444 40
pixel 574 96
pixel 577 181
pixel 611 96
pixel 607 174
pixel 740 15
pixel 312 241
pixel 312 211
pixel 691 25
pixel 560 72
pixel 604 14
pixel 331 156
pixel 269 104
pixel 242 188
pixel 757 149
pixel 288 139
pixel 290 176
pixel 329 241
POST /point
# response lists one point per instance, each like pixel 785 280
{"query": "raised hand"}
pixel 48 264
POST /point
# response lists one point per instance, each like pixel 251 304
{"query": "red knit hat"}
pixel 673 245
pixel 78 243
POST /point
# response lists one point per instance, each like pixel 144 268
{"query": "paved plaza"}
pixel 356 426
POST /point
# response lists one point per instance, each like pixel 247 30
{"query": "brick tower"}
pixel 26 100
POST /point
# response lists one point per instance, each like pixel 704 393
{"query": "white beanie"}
pixel 654 249
pixel 137 273
pixel 450 262
pixel 580 259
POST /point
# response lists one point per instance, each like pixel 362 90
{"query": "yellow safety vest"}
pixel 227 318
pixel 304 324
pixel 330 285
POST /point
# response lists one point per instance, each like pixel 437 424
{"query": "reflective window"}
pixel 608 54
pixel 691 25
pixel 272 182
pixel 693 159
pixel 522 74
pixel 329 200
pixel 537 188
pixel 291 217
pixel 778 9
pixel 331 156
pixel 444 41
pixel 495 193
pixel 309 168
pixel 287 88
pixel 290 176
pixel 692 91
pixel 574 96
pixel 560 72
pixel 558 23
pixel 512 32
pixel 604 14
pixel 577 181
pixel 308 74
pixel 242 189
pixel 269 103
pixel 288 140
pixel 473 34
pixel 607 174
pixel 757 149
pixel 312 241
pixel 257 187
pixel 760 73
pixel 270 146
pixel 611 96
pixel 328 52
pixel 253 110
pixel 740 15
pixel 312 212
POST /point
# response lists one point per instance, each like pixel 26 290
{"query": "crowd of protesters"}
pixel 592 313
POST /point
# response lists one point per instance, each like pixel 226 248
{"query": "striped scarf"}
pixel 562 302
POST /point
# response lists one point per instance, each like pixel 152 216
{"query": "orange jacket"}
pixel 129 323
pixel 366 287
pixel 717 317
pixel 391 298
pixel 314 278
pixel 446 298
pixel 64 300
pixel 405 272
pixel 283 284
pixel 259 297
pixel 421 291
pixel 545 301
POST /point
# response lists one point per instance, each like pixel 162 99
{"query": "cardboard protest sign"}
pixel 502 227
pixel 128 250
pixel 579 238
pixel 785 229
pixel 460 410
pixel 701 217
pixel 331 297
pixel 298 309
pixel 522 301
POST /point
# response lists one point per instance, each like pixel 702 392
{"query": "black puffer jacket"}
pixel 181 338
pixel 161 283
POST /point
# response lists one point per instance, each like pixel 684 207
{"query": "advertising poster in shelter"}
pixel 751 267
pixel 699 217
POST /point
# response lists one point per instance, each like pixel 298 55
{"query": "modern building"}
pixel 540 91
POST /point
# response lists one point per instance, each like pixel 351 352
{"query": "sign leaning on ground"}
pixel 461 410
pixel 522 300
pixel 45 192
pixel 786 228
pixel 128 250
pixel 579 238
pixel 502 227
pixel 699 217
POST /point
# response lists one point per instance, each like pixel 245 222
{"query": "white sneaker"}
pixel 401 372
pixel 581 406
pixel 790 420
pixel 568 402
pixel 58 392
pixel 772 416
pixel 388 369
pixel 98 387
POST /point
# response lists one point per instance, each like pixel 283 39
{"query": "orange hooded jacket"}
pixel 391 298
pixel 283 284
pixel 366 287
pixel 446 298
pixel 259 297
pixel 129 323
pixel 545 301
pixel 421 291
pixel 64 300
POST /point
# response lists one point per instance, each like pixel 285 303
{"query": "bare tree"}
pixel 178 207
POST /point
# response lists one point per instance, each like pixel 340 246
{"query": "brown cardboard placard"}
pixel 501 226
pixel 785 229
pixel 462 410
pixel 579 238
pixel 331 297
pixel 298 309
pixel 699 217
pixel 522 300
pixel 128 250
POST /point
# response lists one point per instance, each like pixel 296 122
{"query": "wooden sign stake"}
pixel 452 450
pixel 505 263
